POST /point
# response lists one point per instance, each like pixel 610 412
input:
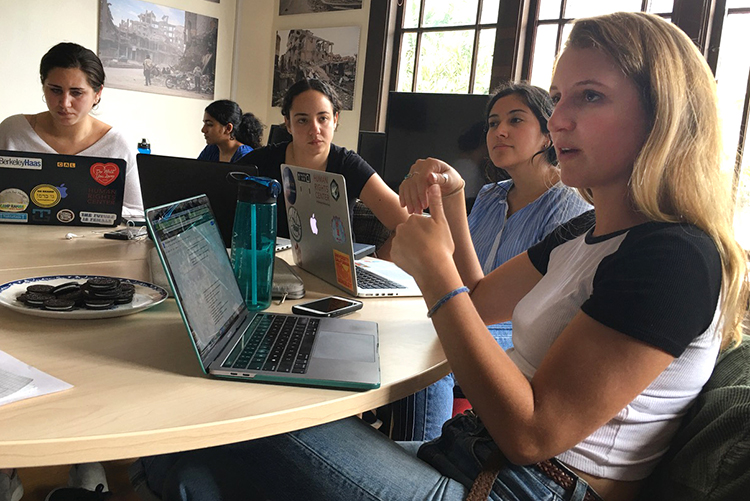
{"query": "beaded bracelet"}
pixel 444 299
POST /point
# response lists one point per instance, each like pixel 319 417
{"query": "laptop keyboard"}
pixel 277 343
pixel 369 280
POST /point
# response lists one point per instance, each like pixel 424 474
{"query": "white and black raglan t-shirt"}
pixel 657 282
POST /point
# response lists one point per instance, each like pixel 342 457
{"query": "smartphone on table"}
pixel 331 306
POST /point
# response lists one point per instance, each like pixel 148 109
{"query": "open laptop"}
pixel 166 179
pixel 321 235
pixel 232 342
pixel 67 190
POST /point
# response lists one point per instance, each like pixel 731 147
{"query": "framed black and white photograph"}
pixel 152 48
pixel 328 54
pixel 310 6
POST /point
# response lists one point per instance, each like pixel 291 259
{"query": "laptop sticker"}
pixel 21 163
pixel 337 228
pixel 290 187
pixel 41 215
pixel 45 195
pixel 66 216
pixel 13 200
pixel 335 193
pixel 98 218
pixel 101 196
pixel 14 217
pixel 295 224
pixel 343 266
pixel 105 174
pixel 320 185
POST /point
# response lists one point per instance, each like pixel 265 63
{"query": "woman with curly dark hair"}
pixel 229 133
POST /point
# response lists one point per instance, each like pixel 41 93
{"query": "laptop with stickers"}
pixel 320 230
pixel 51 189
pixel 232 342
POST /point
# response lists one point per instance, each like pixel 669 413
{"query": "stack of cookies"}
pixel 98 293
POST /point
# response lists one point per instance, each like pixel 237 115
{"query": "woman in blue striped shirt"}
pixel 507 218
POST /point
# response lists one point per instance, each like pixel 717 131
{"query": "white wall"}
pixel 244 66
pixel 258 22
pixel 28 28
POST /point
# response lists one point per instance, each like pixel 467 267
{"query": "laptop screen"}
pixel 199 269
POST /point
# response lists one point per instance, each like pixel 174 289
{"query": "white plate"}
pixel 146 295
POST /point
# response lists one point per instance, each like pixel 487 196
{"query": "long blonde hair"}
pixel 677 175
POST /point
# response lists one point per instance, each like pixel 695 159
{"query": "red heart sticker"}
pixel 104 174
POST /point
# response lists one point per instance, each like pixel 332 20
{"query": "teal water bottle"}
pixel 254 238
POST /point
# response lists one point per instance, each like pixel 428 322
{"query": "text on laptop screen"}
pixel 204 277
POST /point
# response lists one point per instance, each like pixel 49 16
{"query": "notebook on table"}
pixel 66 190
pixel 321 234
pixel 232 342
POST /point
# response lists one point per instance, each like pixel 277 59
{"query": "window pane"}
pixel 660 6
pixel 406 62
pixel 549 9
pixel 737 4
pixel 490 9
pixel 445 61
pixel 544 55
pixel 731 77
pixel 450 12
pixel 411 13
pixel 586 8
pixel 484 61
pixel 742 210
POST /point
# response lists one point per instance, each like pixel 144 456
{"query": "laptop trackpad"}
pixel 352 347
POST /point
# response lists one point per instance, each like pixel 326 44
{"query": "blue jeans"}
pixel 346 460
pixel 421 416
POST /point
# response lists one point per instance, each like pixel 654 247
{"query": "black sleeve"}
pixel 661 287
pixel 354 168
pixel 539 253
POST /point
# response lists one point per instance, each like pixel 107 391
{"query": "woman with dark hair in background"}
pixel 311 114
pixel 507 218
pixel 229 133
pixel 72 83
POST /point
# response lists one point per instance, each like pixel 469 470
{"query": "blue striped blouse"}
pixel 498 238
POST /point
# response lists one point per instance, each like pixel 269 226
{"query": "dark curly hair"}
pixel 246 128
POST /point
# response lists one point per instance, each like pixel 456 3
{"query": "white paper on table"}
pixel 19 381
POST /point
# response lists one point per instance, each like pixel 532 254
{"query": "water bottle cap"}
pixel 255 189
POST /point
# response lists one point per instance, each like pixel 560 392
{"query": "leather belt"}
pixel 563 478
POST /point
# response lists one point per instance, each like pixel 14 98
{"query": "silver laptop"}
pixel 320 230
pixel 232 342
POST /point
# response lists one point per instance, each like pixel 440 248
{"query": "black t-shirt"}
pixel 355 169
pixel 656 282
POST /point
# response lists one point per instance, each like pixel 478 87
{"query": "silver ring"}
pixel 411 174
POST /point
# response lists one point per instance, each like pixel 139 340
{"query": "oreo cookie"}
pixel 64 288
pixel 57 304
pixel 40 289
pixel 102 283
pixel 37 299
pixel 98 304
